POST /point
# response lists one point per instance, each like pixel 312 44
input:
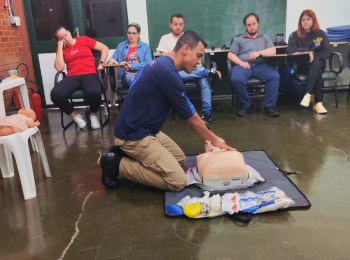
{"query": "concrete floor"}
pixel 75 217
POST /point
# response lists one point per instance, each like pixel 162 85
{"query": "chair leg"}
pixel 62 119
pixel 42 152
pixel 299 86
pixel 62 122
pixel 106 108
pixel 336 93
pixel 21 152
pixel 232 97
pixel 6 163
pixel 348 93
pixel 34 145
pixel 114 99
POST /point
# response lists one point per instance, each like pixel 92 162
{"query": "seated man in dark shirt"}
pixel 142 153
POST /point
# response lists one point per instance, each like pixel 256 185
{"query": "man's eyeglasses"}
pixel 132 33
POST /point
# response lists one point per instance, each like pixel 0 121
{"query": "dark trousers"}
pixel 314 76
pixel 266 73
pixel 88 83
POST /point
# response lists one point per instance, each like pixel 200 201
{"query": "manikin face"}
pixel 177 26
pixel 192 58
pixel 133 35
pixel 65 36
pixel 306 23
pixel 252 25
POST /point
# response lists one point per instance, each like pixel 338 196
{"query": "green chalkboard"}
pixel 216 21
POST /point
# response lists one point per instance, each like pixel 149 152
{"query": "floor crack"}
pixel 77 231
pixel 319 137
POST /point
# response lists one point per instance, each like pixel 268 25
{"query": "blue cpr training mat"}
pixel 274 176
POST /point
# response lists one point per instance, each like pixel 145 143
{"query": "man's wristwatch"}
pixel 101 61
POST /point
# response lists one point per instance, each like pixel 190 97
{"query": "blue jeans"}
pixel 127 79
pixel 199 76
pixel 266 73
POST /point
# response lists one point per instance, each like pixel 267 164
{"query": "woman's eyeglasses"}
pixel 132 33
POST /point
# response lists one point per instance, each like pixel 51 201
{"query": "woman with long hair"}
pixel 309 37
pixel 81 74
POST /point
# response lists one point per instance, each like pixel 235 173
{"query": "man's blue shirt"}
pixel 156 89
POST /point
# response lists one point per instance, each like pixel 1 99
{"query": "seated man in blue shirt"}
pixel 245 53
pixel 201 76
pixel 142 153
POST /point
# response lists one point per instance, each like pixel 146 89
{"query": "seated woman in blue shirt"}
pixel 132 54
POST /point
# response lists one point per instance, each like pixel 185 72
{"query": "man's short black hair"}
pixel 250 14
pixel 177 15
pixel 190 38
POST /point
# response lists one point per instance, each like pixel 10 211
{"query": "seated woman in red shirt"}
pixel 81 74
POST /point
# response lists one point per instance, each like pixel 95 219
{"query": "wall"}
pixel 137 13
pixel 216 21
pixel 14 45
pixel 329 13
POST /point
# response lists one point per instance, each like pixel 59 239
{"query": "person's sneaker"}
pixel 306 100
pixel 207 119
pixel 270 111
pixel 214 75
pixel 319 108
pixel 79 121
pixel 242 112
pixel 95 124
pixel 109 163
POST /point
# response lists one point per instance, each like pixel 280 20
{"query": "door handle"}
pixel 76 31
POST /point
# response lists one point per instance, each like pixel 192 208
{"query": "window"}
pixel 102 18
pixel 48 14
pixel 98 18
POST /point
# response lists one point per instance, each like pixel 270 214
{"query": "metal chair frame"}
pixel 79 94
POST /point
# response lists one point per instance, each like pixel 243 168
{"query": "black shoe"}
pixel 270 111
pixel 109 163
pixel 214 75
pixel 207 119
pixel 114 149
pixel 242 112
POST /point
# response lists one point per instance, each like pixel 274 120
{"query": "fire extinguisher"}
pixel 35 101
pixel 5 3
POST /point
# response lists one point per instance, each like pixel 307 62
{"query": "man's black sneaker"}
pixel 114 149
pixel 270 111
pixel 109 163
pixel 242 112
pixel 214 75
pixel 207 119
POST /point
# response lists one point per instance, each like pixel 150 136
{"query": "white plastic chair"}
pixel 18 144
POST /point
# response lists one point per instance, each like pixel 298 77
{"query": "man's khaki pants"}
pixel 156 161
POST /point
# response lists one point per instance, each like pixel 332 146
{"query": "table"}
pixel 21 86
pixel 207 53
pixel 112 65
pixel 286 55
pixel 337 43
